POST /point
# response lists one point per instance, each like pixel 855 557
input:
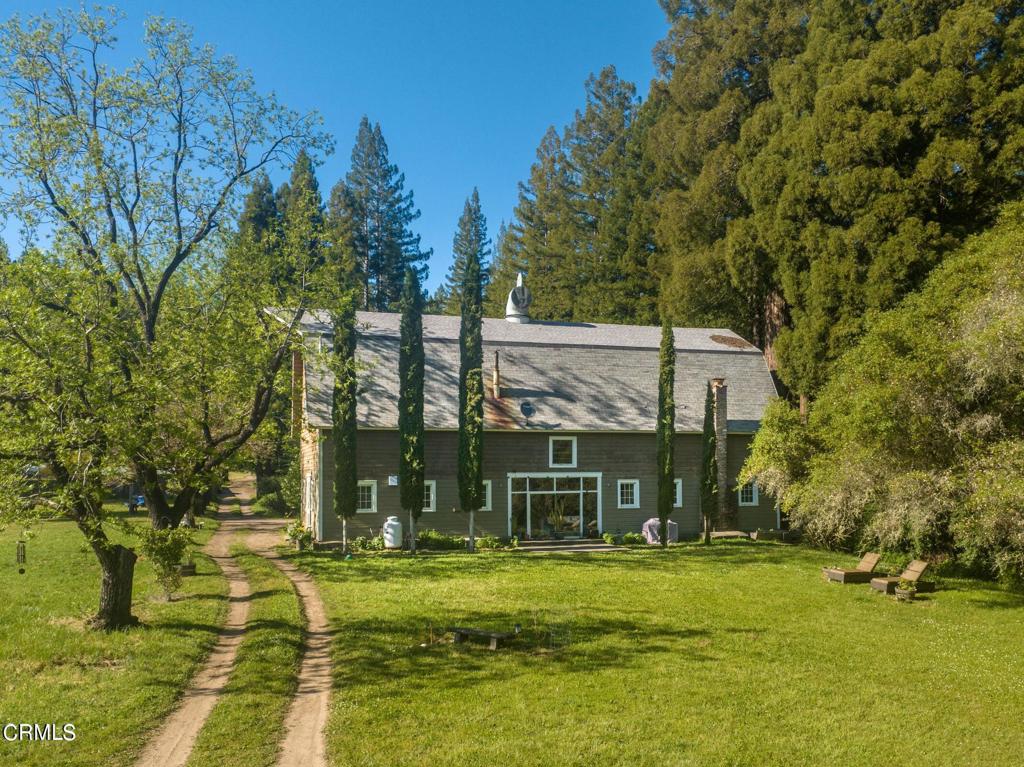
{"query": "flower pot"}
pixel 300 545
pixel 188 568
pixel 905 595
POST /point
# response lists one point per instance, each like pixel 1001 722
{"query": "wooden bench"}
pixel 463 633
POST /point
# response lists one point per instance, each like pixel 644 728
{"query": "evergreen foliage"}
pixel 344 403
pixel 410 402
pixel 666 427
pixel 575 226
pixel 709 466
pixel 917 442
pixel 470 243
pixel 378 213
pixel 471 358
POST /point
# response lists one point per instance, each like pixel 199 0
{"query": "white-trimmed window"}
pixel 366 496
pixel 430 495
pixel 562 452
pixel 677 501
pixel 629 494
pixel 487 496
pixel 748 494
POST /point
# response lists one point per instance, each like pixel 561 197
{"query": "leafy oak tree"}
pixel 133 171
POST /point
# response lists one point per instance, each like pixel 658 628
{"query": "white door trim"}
pixel 552 475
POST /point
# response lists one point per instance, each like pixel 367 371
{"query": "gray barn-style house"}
pixel 569 446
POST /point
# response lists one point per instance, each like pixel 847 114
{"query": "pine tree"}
pixel 410 402
pixel 582 227
pixel 346 477
pixel 379 211
pixel 471 358
pixel 709 465
pixel 502 274
pixel 470 242
pixel 666 428
pixel 716 65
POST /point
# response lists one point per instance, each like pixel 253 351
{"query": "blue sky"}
pixel 463 91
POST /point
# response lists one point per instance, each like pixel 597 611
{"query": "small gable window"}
pixel 748 494
pixel 629 493
pixel 562 452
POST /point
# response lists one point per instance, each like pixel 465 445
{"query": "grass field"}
pixel 247 723
pixel 735 655
pixel 113 687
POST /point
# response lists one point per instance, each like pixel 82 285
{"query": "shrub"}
pixel 609 539
pixel 165 549
pixel 296 533
pixel 633 539
pixel 489 542
pixel 432 539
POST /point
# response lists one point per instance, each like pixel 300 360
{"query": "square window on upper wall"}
pixel 562 452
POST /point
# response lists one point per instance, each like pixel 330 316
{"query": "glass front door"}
pixel 554 506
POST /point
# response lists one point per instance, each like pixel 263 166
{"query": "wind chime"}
pixel 20 557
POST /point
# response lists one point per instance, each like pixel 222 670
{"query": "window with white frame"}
pixel 677 502
pixel 748 494
pixel 562 452
pixel 366 496
pixel 430 495
pixel 629 494
pixel 487 496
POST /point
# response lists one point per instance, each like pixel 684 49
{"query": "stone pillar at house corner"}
pixel 720 392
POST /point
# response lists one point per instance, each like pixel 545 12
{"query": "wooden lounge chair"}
pixel 914 571
pixel 862 573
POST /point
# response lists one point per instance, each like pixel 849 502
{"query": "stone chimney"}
pixel 720 393
pixel 518 304
pixel 496 379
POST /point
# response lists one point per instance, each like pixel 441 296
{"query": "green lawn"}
pixel 735 655
pixel 113 687
pixel 247 724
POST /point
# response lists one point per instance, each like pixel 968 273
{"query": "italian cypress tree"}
pixel 470 244
pixel 709 465
pixel 346 479
pixel 410 402
pixel 666 428
pixel 380 213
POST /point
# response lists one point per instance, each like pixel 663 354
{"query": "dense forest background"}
pixel 834 180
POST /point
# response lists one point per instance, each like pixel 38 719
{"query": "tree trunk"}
pixel 117 565
pixel 412 533
pixel 344 534
pixel 472 531
pixel 805 407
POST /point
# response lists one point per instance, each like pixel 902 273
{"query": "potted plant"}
pixel 906 590
pixel 299 535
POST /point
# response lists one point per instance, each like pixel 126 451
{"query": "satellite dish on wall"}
pixel 527 409
pixel 518 304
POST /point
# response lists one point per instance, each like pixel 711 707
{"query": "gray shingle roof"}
pixel 576 376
